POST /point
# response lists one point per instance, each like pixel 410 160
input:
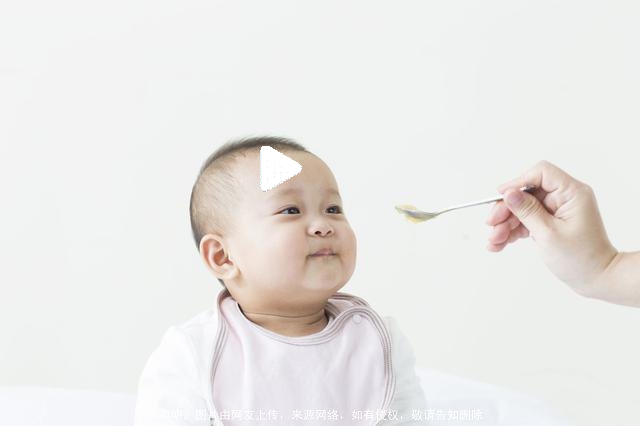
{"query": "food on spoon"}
pixel 409 217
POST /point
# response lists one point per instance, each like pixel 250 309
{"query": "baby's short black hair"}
pixel 215 190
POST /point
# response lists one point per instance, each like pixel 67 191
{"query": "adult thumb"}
pixel 528 210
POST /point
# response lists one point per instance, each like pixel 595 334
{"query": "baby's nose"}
pixel 323 230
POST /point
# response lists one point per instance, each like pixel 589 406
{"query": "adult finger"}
pixel 498 214
pixel 544 175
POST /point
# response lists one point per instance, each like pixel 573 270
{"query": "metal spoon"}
pixel 412 214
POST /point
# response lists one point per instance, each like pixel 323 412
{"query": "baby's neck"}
pixel 291 326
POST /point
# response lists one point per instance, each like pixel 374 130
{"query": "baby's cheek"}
pixel 290 246
pixel 352 239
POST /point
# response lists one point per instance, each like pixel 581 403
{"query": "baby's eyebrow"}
pixel 298 190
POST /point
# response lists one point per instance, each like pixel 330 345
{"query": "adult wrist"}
pixel 600 287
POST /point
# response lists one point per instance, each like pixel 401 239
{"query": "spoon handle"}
pixel 528 188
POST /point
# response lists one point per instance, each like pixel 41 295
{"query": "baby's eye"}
pixel 289 208
pixel 332 207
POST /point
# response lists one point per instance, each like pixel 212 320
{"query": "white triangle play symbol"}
pixel 275 168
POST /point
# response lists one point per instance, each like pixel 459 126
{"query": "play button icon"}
pixel 275 168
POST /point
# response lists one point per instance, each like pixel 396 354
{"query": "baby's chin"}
pixel 326 286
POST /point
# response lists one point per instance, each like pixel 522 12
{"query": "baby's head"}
pixel 259 244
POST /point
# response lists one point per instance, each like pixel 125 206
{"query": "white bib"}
pixel 341 375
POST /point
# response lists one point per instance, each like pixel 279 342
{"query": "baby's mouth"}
pixel 323 252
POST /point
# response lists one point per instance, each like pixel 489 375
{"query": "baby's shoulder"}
pixel 194 337
pixel 399 341
pixel 390 322
pixel 199 326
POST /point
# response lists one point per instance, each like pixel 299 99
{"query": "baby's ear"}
pixel 211 250
pixel 215 256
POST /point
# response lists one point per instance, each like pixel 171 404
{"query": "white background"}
pixel 108 109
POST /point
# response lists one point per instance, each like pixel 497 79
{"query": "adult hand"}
pixel 562 217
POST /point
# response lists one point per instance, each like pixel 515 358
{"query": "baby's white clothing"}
pixel 219 368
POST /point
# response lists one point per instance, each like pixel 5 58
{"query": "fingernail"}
pixel 514 198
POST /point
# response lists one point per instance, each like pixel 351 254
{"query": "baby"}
pixel 281 345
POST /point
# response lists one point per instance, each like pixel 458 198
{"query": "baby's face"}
pixel 280 229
